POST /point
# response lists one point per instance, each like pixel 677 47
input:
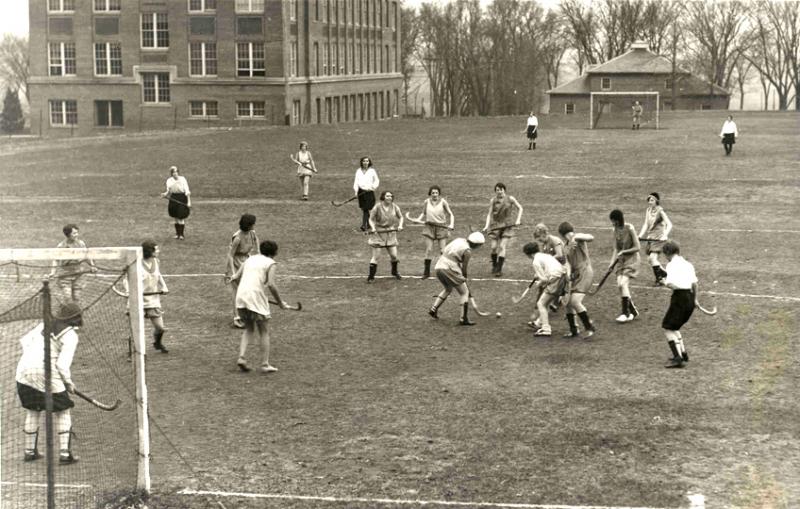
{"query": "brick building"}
pixel 638 70
pixel 100 65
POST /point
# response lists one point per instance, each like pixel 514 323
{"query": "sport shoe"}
pixel 397 276
pixel 370 280
pixel 67 459
pixel 32 455
pixel 498 274
pixel 466 322
pixel 160 347
pixel 243 367
pixel 266 368
pixel 571 335
pixel 624 318
pixel 659 282
pixel 535 324
pixel 634 311
pixel 685 357
pixel 676 362
pixel 434 313
pixel 542 332
pixel 589 333
pixel 304 198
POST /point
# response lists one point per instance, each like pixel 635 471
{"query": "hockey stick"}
pixel 517 300
pixel 475 306
pixel 605 276
pixel 98 404
pixel 340 203
pixel 426 223
pixel 177 201
pixel 642 239
pixel 122 291
pixel 378 232
pixel 296 307
pixel 709 312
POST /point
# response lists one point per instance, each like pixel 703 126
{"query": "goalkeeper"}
pixel 31 382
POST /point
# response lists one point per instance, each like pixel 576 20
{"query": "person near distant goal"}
pixel 31 381
pixel 305 167
pixel 439 220
pixel 365 184
pixel 532 131
pixel 625 261
pixel 637 111
pixel 385 220
pixel 729 133
pixel 682 280
pixel 655 230
pixel 505 212
pixel 179 200
pixel 451 271
pixel 244 243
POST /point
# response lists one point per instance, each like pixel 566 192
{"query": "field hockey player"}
pixel 626 256
pixel 244 243
pixel 499 224
pixel 305 167
pixel 438 220
pixel 153 285
pixel 385 220
pixel 451 271
pixel 655 232
pixel 682 280
pixel 552 279
pixel 580 277
pixel 365 183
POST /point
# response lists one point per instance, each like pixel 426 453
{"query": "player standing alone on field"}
pixel 244 243
pixel 256 276
pixel 364 185
pixel 637 114
pixel 438 221
pixel 31 384
pixel 682 280
pixel 385 221
pixel 451 271
pixel 729 133
pixel 305 167
pixel 532 131
pixel 626 262
pixel 580 277
pixel 180 200
pixel 153 286
pixel 500 225
pixel 69 272
pixel 656 230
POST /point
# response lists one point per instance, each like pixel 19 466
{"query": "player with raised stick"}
pixel 625 261
pixel 637 111
pixel 305 167
pixel 30 380
pixel 244 243
pixel 580 277
pixel 682 280
pixel 451 271
pixel 385 220
pixel 551 276
pixel 365 183
pixel 438 220
pixel 655 231
pixel 257 275
pixel 500 222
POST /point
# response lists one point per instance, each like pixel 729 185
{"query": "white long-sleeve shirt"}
pixel 366 180
pixel 680 273
pixel 178 184
pixel 729 127
pixel 30 369
pixel 547 268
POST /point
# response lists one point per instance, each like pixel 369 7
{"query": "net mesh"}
pixel 106 442
pixel 616 111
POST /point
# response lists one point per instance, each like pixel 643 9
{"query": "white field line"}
pixel 715 230
pixel 392 501
pixel 44 485
pixel 782 298
pixel 647 177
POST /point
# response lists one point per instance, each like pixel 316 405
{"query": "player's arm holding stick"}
pixel 273 289
pixel 309 165
pixel 449 213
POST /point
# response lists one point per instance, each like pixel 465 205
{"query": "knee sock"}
pixel 177 229
pixel 373 268
pixel 571 321
pixel 587 323
pixel 674 349
pixel 494 262
pixel 464 312
pixel 500 260
pixel 626 306
pixel 365 219
pixel 394 269
pixel 427 272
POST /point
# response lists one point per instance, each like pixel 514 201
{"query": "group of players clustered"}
pixel 563 275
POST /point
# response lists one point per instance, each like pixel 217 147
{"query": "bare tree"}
pixel 583 29
pixel 661 24
pixel 553 46
pixel 14 71
pixel 621 22
pixel 742 68
pixel 409 32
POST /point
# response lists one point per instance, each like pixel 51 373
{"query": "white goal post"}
pixel 118 260
pixel 596 103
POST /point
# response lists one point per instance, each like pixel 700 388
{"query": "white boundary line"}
pixel 391 501
pixel 783 298
pixel 44 485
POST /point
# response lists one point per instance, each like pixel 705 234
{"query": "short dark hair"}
pixel 656 196
pixel 617 216
pixel 367 158
pixel 500 185
pixel 531 248
pixel 671 248
pixel 67 229
pixel 246 222
pixel 149 248
pixel 565 228
pixel 268 248
pixel 383 194
pixel 430 189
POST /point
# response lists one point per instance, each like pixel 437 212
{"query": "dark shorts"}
pixel 681 307
pixel 532 132
pixel 153 312
pixel 366 199
pixel 250 316
pixel 728 139
pixel 33 399
pixel 177 207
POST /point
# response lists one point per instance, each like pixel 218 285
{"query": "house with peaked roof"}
pixel 639 70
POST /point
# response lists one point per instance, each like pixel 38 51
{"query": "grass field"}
pixel 374 400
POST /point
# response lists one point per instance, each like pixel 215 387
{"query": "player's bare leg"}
pixel 629 311
pixel 544 316
pixel 262 331
pixel 158 333
pixel 304 186
pixel 247 334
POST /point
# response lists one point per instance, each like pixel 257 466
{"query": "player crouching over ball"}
pixel 552 279
pixel 682 280
pixel 451 271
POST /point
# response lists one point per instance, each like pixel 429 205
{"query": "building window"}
pixel 108 59
pixel 155 87
pixel 250 109
pixel 705 106
pixel 155 30
pixel 569 108
pixel 293 60
pixel 250 59
pixel 316 59
pixel 296 113
pixel 63 113
pixel 203 109
pixel 668 83
pixel 62 59
pixel 203 59
pixel 605 83
pixel 326 48
pixel 60 5
pixel 292 10
pixel 394 15
pixel 108 113
pixel 249 5
pixel 353 58
pixel 107 5
pixel 202 5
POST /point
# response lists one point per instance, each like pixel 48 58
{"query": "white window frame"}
pixel 668 84
pixel 569 108
pixel 108 59
pixel 296 112
pixel 157 81
pixel 203 6
pixel 62 58
pixel 292 10
pixel 154 30
pixel 293 59
pixel 250 51
pixel 107 6
pixel 251 108
pixel 253 6
pixel 63 112
pixel 205 108
pixel 61 4
pixel 326 48
pixel 204 60
pixel 603 83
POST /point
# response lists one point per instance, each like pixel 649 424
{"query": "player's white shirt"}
pixel 366 180
pixel 30 369
pixel 453 255
pixel 680 273
pixel 546 267
pixel 178 184
pixel 252 291
pixel 729 127
pixel 532 120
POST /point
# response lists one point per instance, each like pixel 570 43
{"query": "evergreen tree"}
pixel 11 120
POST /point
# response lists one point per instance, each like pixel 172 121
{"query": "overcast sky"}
pixel 14 17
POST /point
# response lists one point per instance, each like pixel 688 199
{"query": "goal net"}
pixel 111 446
pixel 615 110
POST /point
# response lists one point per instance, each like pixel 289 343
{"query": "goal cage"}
pixel 112 446
pixel 614 110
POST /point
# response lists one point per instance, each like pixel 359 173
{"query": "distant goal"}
pixel 614 110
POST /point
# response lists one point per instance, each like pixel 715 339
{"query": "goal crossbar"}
pixel 632 93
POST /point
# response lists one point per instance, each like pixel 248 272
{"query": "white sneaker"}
pixel 624 318
pixel 266 368
pixel 631 317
